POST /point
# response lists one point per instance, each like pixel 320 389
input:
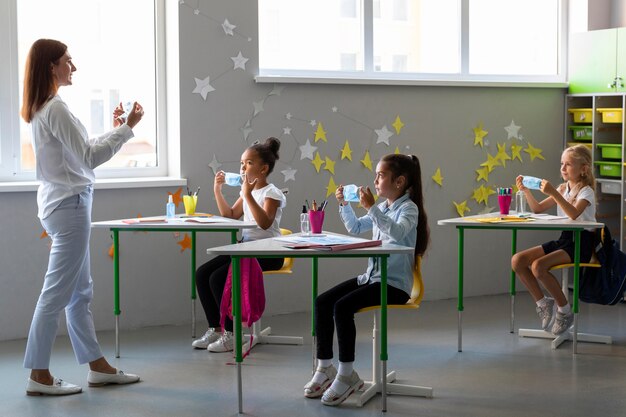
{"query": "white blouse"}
pixel 65 155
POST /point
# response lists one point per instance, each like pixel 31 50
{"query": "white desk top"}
pixel 221 223
pixel 274 247
pixel 537 223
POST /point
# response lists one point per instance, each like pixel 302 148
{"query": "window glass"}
pixel 513 37
pixel 298 35
pixel 112 44
pixel 425 32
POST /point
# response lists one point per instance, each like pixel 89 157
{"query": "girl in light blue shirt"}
pixel 400 219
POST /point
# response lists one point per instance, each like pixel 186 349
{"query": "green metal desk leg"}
pixel 577 237
pixel 116 288
pixel 512 290
pixel 460 289
pixel 314 272
pixel 193 284
pixel 236 294
pixel 383 327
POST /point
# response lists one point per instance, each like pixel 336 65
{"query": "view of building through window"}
pixel 114 53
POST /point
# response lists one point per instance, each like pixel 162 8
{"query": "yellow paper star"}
pixel 176 198
pixel 330 165
pixel 486 192
pixel 398 125
pixel 477 195
pixel 461 208
pixel 491 162
pixel 483 174
pixel 317 161
pixel 346 152
pixel 437 177
pixel 331 187
pixel 185 243
pixel 397 151
pixel 366 161
pixel 320 133
pixel 515 152
pixel 479 134
pixel 502 156
pixel 534 152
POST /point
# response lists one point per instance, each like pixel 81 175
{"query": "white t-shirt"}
pixel 269 191
pixel 586 193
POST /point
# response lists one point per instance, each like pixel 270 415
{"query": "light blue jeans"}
pixel 67 286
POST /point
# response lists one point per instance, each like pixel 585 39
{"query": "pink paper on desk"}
pixel 156 219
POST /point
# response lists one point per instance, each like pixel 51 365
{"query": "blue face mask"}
pixel 351 193
pixel 533 183
pixel 232 179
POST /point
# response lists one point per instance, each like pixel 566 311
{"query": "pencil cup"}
pixel 505 202
pixel 190 202
pixel 316 218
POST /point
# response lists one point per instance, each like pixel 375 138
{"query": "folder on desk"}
pixel 504 219
pixel 336 247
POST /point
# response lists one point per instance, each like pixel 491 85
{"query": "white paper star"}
pixel 247 123
pixel 228 27
pixel 196 12
pixel 512 130
pixel 246 132
pixel 383 135
pixel 290 174
pixel 276 91
pixel 335 109
pixel 286 130
pixel 288 116
pixel 258 107
pixel 307 150
pixel 240 61
pixel 215 166
pixel 313 122
pixel 203 87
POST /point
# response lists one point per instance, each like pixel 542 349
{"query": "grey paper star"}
pixel 290 174
pixel 276 91
pixel 286 130
pixel 306 150
pixel 383 135
pixel 288 116
pixel 512 130
pixel 239 61
pixel 203 87
pixel 215 166
pixel 258 107
pixel 313 122
pixel 246 132
pixel 228 27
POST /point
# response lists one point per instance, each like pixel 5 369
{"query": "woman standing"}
pixel 65 159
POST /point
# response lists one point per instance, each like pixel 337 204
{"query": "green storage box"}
pixel 609 169
pixel 610 150
pixel 581 132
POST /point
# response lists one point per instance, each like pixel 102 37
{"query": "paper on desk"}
pixel 321 240
pixel 504 219
pixel 542 216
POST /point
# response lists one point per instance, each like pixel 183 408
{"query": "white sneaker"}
pixel 224 344
pixel 209 337
pixel 546 312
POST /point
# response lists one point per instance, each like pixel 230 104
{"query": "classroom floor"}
pixel 498 374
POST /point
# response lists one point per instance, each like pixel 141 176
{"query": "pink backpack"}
pixel 252 293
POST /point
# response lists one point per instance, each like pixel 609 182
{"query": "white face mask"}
pixel 232 179
pixel 351 193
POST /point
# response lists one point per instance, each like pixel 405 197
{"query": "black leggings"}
pixel 210 282
pixel 340 303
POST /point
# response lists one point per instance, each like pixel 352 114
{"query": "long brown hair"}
pixel 409 167
pixel 39 84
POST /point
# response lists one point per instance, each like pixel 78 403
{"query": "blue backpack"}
pixel 604 285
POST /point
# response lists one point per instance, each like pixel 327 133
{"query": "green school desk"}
pixel 221 224
pixel 471 223
pixel 268 248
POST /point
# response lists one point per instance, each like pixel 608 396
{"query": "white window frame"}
pixel 369 76
pixel 167 170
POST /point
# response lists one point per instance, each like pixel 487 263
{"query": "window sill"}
pixel 102 184
pixel 298 79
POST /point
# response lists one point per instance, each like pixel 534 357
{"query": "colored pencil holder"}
pixel 505 203
pixel 316 218
pixel 190 202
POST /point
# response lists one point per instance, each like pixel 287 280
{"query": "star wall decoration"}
pixel 289 173
pixel 306 150
pixel 239 61
pixel 437 177
pixel 461 208
pixel 512 130
pixel 383 135
pixel 367 161
pixel 320 133
pixel 479 134
pixel 329 165
pixel 502 156
pixel 398 125
pixel 346 152
pixel 483 174
pixel 215 165
pixel 491 162
pixel 228 27
pixel 203 87
pixel 317 162
pixel 516 152
pixel 286 131
pixel 185 242
pixel 176 198
pixel 331 187
pixel 534 152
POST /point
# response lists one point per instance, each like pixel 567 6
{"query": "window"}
pixel 110 70
pixel 443 40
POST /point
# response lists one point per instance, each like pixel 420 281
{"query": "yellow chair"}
pixel 568 335
pixel 264 336
pixel 374 386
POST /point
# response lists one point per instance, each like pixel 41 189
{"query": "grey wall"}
pixel 438 128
